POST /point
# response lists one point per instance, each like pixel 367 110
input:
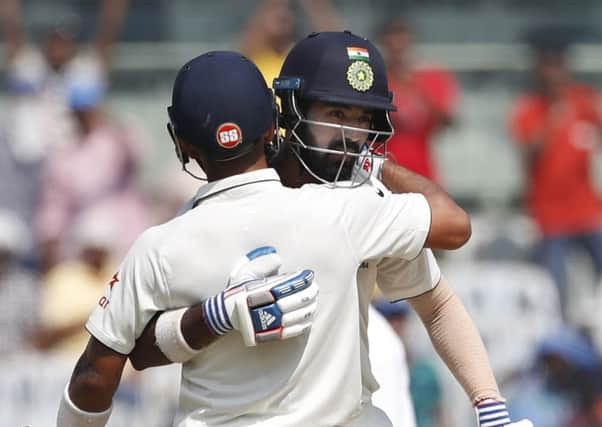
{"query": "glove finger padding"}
pixel 295 330
pixel 301 315
pixel 299 299
pixel 257 264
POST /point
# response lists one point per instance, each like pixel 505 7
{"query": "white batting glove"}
pixel 493 413
pixel 368 164
pixel 275 308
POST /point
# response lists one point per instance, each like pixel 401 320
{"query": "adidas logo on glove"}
pixel 266 319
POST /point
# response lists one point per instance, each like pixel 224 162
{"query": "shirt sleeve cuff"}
pixel 107 340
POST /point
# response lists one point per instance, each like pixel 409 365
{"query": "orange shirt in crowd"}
pixel 561 196
pixel 429 94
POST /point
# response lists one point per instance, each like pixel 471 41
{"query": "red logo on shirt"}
pixel 228 135
pixel 103 302
pixel 114 280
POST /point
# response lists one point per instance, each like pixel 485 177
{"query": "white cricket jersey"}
pixel 397 279
pixel 311 380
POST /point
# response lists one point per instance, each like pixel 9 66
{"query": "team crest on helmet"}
pixel 228 135
pixel 360 76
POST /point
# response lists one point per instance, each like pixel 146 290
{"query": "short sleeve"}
pixel 400 279
pixel 134 294
pixel 382 224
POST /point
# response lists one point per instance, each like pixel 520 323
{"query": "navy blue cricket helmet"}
pixel 221 104
pixel 338 68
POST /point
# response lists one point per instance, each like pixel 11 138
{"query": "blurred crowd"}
pixel 72 201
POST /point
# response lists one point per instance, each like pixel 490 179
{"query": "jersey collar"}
pixel 215 187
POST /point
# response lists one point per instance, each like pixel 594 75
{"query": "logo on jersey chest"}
pixel 114 280
pixel 228 135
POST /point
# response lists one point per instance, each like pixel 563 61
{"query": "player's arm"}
pixel 184 335
pixel 111 16
pixel 255 288
pixel 181 334
pixel 146 353
pixel 87 400
pixel 12 26
pixel 459 344
pixel 450 224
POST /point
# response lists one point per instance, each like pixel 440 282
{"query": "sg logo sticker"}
pixel 229 135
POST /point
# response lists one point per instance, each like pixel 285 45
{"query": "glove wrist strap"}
pixel 492 413
pixel 216 316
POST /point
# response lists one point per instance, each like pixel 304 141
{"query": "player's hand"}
pixel 368 164
pixel 493 413
pixel 263 309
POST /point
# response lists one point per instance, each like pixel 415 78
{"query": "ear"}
pixel 268 136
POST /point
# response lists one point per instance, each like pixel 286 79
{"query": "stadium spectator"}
pixel 38 77
pixel 19 187
pixel 549 393
pixel 72 288
pixel 270 33
pixel 557 127
pixel 96 170
pixel 590 411
pixel 426 97
pixel 18 288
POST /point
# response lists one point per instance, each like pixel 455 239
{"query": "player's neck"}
pixel 251 162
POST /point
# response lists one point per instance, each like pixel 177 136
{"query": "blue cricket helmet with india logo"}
pixel 221 104
pixel 337 67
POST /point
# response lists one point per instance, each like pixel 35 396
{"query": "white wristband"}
pixel 71 416
pixel 169 337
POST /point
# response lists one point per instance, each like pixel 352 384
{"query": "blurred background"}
pixel 497 100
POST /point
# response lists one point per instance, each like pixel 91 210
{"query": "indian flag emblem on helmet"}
pixel 360 76
pixel 358 54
